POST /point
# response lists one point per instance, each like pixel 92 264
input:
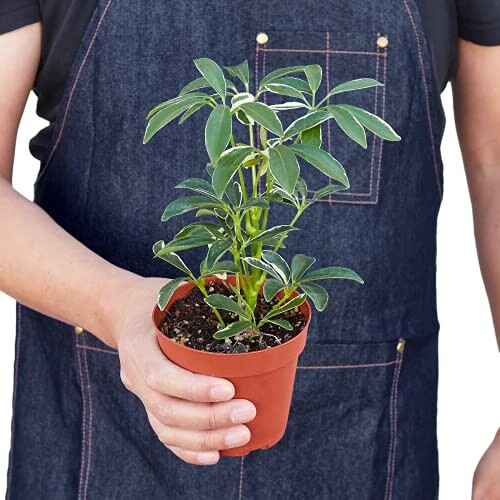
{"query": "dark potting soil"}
pixel 191 322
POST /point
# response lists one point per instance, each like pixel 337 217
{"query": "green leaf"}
pixel 271 288
pixel 263 266
pixel 223 302
pixel 312 136
pixel 359 84
pixel 274 75
pixel 199 186
pixel 240 99
pixel 243 118
pixel 317 294
pixel 269 233
pixel 332 273
pixel 279 88
pixel 372 122
pixel 314 74
pixel 241 71
pixel 191 111
pixel 200 229
pixel 296 83
pixel 256 203
pixel 287 306
pixel 325 191
pixel 213 74
pixel 300 264
pixel 290 197
pixel 227 166
pixel 286 106
pixel 199 83
pixel 201 98
pixel 284 167
pixel 278 263
pixel 283 323
pixel 166 292
pixel 166 115
pixel 301 187
pixel 349 124
pixel 232 329
pixel 216 251
pixel 182 205
pixel 218 132
pixel 174 260
pixel 234 193
pixel 185 243
pixel 264 116
pixel 224 266
pixel 323 161
pixel 306 122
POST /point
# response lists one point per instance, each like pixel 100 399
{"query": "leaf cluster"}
pixel 246 178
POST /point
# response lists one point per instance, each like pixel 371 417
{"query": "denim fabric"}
pixel 362 423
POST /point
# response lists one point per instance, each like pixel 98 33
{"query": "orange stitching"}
pixel 84 420
pixel 242 464
pixel 90 348
pixel 427 100
pixel 321 51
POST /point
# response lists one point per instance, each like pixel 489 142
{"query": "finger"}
pixel 207 440
pixel 163 376
pixel 196 457
pixel 174 412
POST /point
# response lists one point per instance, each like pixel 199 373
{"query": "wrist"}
pixel 115 293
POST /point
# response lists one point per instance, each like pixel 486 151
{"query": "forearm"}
pixel 477 115
pixel 484 186
pixel 44 267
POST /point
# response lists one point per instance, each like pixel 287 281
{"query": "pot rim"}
pixel 305 308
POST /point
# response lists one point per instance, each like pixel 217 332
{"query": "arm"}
pixel 477 113
pixel 42 266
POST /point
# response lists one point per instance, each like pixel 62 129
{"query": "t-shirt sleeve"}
pixel 479 21
pixel 18 13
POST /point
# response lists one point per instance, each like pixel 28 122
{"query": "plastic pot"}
pixel 265 378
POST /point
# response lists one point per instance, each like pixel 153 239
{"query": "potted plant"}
pixel 244 314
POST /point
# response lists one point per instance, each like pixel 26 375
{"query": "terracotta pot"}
pixel 263 377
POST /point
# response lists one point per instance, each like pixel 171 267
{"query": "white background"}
pixel 469 405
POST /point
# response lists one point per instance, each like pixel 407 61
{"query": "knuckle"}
pixel 212 420
pixel 164 413
pixel 207 441
pixel 193 391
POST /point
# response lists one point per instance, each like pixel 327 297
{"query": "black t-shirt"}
pixel 64 22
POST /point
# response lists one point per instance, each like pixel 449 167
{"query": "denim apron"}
pixel 363 417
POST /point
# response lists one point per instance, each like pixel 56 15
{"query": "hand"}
pixel 193 415
pixel 486 483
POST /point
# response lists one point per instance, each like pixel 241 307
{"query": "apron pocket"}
pixel 341 438
pixel 343 57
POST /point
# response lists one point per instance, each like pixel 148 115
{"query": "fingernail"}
pixel 206 458
pixel 236 438
pixel 243 413
pixel 222 391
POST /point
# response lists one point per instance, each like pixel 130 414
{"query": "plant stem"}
pixel 203 290
pixel 285 297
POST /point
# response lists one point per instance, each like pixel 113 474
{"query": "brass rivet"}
pixel 262 38
pixel 401 347
pixel 382 42
pixel 78 330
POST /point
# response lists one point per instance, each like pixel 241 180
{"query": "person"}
pixel 363 418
